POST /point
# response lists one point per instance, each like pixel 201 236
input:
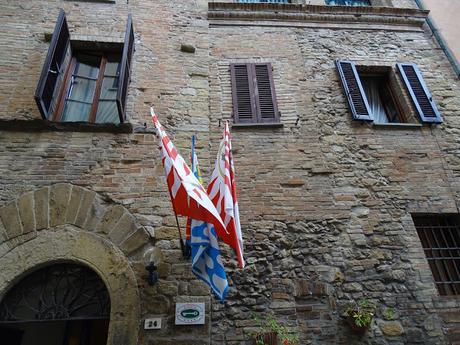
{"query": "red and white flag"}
pixel 187 194
pixel 222 191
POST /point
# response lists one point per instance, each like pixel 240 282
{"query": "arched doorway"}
pixel 60 304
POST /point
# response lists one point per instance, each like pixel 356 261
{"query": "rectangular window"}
pixel 253 93
pixel 440 237
pixel 373 93
pixel 265 1
pixel 84 85
pixel 91 93
pixel 348 2
pixel 379 94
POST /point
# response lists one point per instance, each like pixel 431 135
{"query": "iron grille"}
pixel 61 291
pixel 440 237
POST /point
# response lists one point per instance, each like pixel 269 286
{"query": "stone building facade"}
pixel 327 202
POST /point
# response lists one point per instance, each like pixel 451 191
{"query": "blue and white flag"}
pixel 206 259
pixel 201 236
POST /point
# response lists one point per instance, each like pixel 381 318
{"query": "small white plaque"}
pixel 190 313
pixel 154 323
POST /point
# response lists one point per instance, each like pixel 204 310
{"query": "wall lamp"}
pixel 152 278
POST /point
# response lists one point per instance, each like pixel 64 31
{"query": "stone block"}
pixel 59 200
pixel 110 218
pixel 135 241
pixel 3 236
pixel 123 229
pixel 86 205
pixel 391 328
pixel 27 212
pixel 9 215
pixel 74 204
pixel 41 198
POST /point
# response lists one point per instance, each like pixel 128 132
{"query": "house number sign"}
pixel 190 313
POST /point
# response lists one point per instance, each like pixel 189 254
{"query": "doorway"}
pixel 60 304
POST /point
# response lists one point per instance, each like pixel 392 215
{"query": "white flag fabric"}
pixel 222 191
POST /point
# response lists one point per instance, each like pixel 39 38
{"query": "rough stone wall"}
pixel 325 202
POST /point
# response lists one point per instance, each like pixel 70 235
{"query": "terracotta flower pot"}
pixel 354 327
pixel 268 338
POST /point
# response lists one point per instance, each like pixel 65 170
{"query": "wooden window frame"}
pixel 256 112
pixel 50 95
pixel 64 92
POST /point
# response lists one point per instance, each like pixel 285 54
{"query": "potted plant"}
pixel 359 315
pixel 271 331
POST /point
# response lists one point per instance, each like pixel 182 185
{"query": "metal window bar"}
pixel 440 237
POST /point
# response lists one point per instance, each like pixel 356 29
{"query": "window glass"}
pixel 348 2
pixel 266 1
pixel 107 107
pixel 82 86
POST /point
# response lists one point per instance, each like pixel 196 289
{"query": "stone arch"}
pixel 64 222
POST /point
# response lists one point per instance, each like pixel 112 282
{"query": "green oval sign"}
pixel 189 313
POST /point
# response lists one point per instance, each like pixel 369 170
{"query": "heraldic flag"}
pixel 206 260
pixel 190 199
pixel 197 172
pixel 222 191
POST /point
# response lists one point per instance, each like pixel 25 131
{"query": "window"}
pixel 348 2
pixel 84 85
pixel 253 93
pixel 382 103
pixel 266 1
pixel 372 96
pixel 440 237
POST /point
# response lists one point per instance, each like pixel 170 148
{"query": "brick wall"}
pixel 325 201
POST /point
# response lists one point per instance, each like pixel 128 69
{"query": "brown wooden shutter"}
pixel 265 94
pixel 243 93
pixel 125 69
pixel 419 93
pixel 354 92
pixel 53 66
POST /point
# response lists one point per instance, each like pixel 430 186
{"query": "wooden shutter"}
pixel 419 93
pixel 125 69
pixel 265 93
pixel 53 66
pixel 243 93
pixel 354 92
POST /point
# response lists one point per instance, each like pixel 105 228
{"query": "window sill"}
pixel 398 125
pixel 257 125
pixel 48 126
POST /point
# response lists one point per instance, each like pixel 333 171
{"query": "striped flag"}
pixel 222 191
pixel 201 236
pixel 197 172
pixel 187 194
